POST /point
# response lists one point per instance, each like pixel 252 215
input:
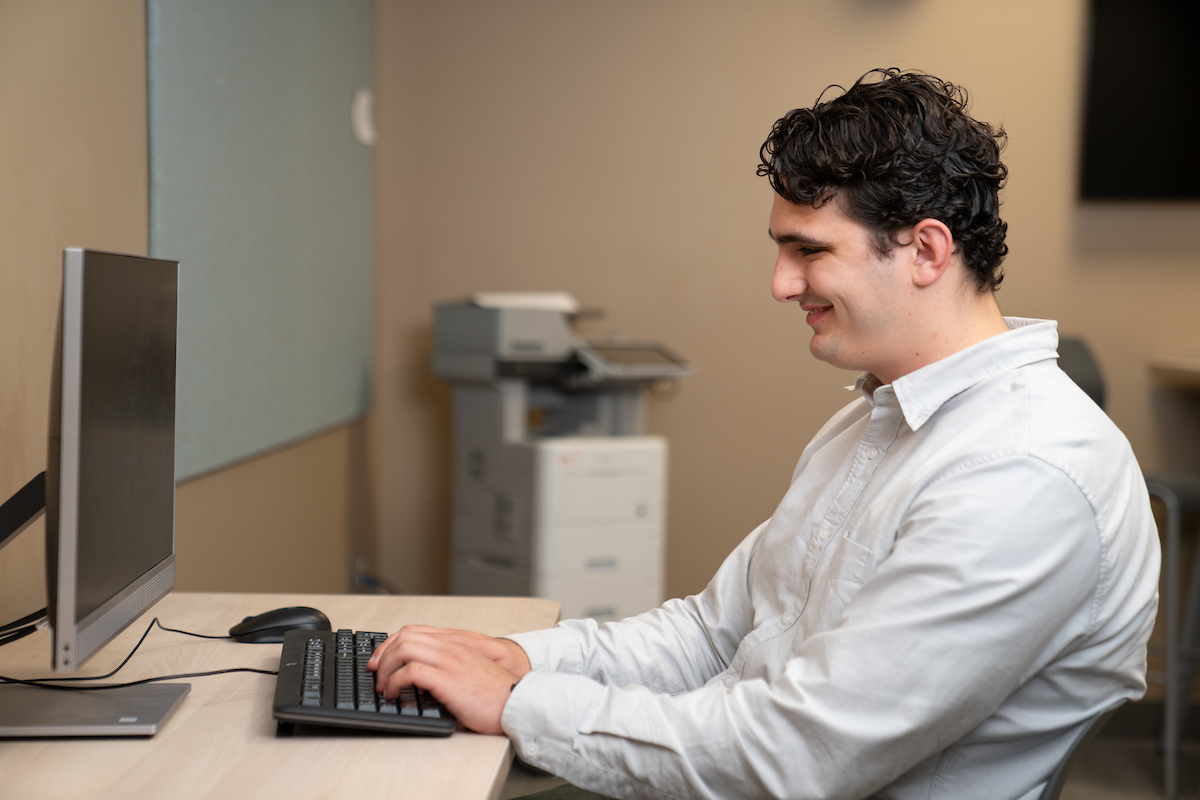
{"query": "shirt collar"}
pixel 922 392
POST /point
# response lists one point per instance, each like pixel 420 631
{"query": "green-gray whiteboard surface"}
pixel 262 192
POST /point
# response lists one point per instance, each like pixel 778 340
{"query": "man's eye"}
pixel 808 251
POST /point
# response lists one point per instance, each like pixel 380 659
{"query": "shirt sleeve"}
pixel 671 649
pixel 991 577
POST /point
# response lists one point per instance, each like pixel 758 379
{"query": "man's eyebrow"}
pixel 796 238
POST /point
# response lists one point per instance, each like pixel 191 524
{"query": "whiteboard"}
pixel 262 192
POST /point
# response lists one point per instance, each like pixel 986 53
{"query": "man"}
pixel 962 573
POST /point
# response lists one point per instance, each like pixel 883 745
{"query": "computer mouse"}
pixel 270 626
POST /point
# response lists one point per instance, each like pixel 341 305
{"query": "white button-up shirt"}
pixel 963 572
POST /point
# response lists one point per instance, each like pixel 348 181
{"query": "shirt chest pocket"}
pixel 845 566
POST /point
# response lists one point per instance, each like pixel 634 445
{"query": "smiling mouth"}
pixel 816 313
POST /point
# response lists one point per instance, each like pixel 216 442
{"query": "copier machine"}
pixel 557 493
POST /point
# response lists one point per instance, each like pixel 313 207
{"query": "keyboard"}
pixel 324 680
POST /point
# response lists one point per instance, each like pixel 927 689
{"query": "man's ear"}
pixel 934 251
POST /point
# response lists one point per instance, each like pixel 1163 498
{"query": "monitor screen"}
pixel 110 481
pixel 1141 104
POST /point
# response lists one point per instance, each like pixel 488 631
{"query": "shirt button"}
pixel 787 619
pixel 730 680
pixel 531 749
pixel 872 453
pixel 823 534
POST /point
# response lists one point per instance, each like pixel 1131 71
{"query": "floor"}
pixel 522 781
pixel 1129 769
pixel 1110 769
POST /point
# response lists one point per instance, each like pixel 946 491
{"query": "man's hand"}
pixel 504 652
pixel 462 670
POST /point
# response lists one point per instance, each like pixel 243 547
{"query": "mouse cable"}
pixel 51 683
pixel 189 633
pixel 40 620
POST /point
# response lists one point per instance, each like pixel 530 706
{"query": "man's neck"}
pixel 946 329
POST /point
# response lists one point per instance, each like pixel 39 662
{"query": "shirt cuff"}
pixel 542 715
pixel 551 650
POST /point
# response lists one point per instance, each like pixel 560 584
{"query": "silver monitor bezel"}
pixel 76 640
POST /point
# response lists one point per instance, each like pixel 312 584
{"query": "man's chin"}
pixel 831 353
pixel 823 350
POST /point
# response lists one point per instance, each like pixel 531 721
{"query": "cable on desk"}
pixel 42 684
pixel 51 683
pixel 188 633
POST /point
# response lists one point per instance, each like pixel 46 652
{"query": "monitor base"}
pixel 37 712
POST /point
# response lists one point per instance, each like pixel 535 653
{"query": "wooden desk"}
pixel 221 742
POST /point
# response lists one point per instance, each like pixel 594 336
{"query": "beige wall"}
pixel 288 521
pixel 609 149
pixel 72 172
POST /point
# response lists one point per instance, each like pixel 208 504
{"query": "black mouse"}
pixel 270 626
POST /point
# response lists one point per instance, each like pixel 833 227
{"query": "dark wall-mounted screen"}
pixel 1142 104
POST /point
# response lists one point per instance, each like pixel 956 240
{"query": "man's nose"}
pixel 787 282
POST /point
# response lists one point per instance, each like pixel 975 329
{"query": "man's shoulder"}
pixel 1038 413
pixel 1068 430
pixel 1063 421
pixel 1036 408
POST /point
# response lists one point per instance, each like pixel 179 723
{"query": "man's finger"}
pixel 406 650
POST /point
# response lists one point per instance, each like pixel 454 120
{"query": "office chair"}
pixel 1179 493
pixel 1058 778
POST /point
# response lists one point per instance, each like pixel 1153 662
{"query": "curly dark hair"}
pixel 897 149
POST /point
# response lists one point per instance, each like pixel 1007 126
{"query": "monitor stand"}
pixel 33 711
pixel 22 509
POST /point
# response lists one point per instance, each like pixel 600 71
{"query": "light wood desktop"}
pixel 221 741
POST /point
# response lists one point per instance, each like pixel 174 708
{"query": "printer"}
pixel 556 493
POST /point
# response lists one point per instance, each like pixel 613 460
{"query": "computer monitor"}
pixel 110 467
pixel 110 474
